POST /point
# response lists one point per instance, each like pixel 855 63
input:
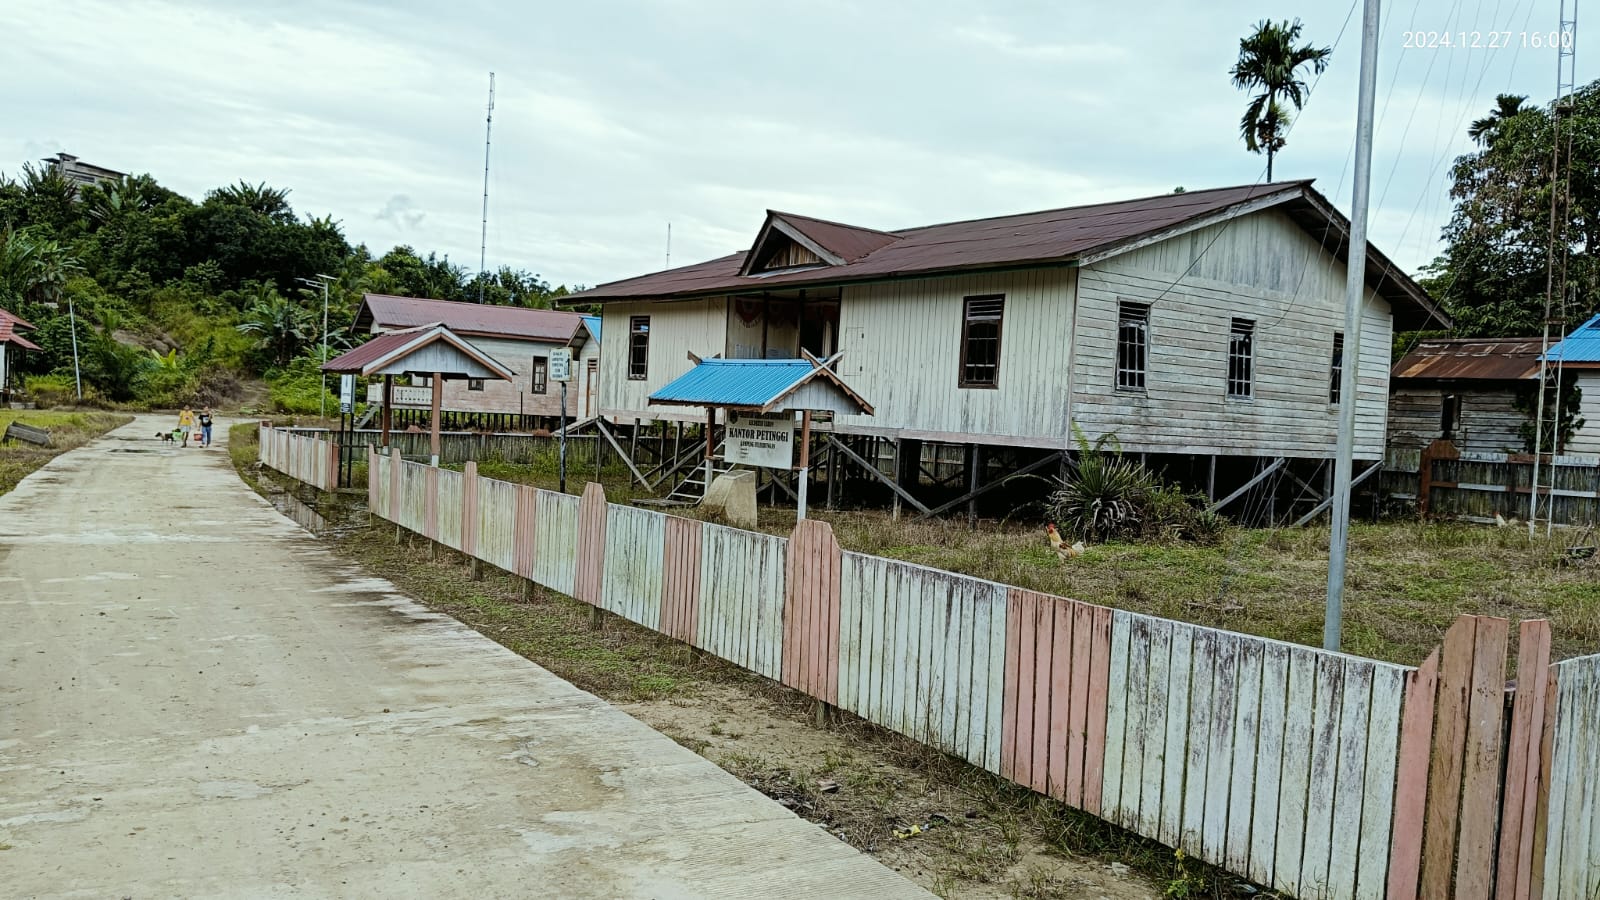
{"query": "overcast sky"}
pixel 614 118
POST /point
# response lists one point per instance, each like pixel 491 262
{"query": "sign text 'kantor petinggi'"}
pixel 405 396
pixel 760 439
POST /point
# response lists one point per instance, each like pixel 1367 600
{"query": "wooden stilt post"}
pixel 711 426
pixel 833 477
pixel 438 401
pixel 388 409
pixel 896 476
pixel 974 461
pixel 805 461
pixel 1211 480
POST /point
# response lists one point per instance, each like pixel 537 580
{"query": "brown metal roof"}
pixel 1471 359
pixel 10 335
pixel 479 319
pixel 847 242
pixel 391 347
pixel 21 324
pixel 1051 237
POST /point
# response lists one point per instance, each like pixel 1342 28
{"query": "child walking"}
pixel 186 424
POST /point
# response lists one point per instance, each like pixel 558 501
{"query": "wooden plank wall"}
pixel 555 540
pixel 631 583
pixel 1317 774
pixel 1572 831
pixel 1267 759
pixel 301 457
pixel 922 652
pixel 498 528
pixel 741 598
pixel 448 508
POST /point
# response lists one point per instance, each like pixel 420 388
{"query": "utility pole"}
pixel 1355 295
pixel 322 281
pixel 483 242
pixel 77 376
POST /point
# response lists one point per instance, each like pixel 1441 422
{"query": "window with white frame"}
pixel 1336 371
pixel 1241 359
pixel 1133 345
pixel 638 348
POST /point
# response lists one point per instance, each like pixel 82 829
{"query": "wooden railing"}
pixel 301 457
pixel 1317 774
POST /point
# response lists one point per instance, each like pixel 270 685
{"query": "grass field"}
pixel 1406 582
pixel 68 430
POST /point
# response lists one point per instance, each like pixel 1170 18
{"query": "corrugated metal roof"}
pixel 1057 236
pixel 482 319
pixel 1471 359
pixel 848 242
pixel 16 320
pixel 1581 346
pixel 593 324
pixel 9 335
pixel 734 382
pixel 381 347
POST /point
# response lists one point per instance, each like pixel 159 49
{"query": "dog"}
pixel 166 437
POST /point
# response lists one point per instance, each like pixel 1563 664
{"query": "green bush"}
pixel 1109 497
pixel 51 390
pixel 297 388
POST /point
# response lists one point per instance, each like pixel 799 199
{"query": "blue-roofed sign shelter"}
pixel 764 385
pixel 759 398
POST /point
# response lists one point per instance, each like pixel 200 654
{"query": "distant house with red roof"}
pixel 518 338
pixel 11 343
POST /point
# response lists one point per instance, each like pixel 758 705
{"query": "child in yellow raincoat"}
pixel 186 424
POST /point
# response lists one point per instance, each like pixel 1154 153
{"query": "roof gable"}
pixel 787 242
pixel 1582 346
pixel 395 352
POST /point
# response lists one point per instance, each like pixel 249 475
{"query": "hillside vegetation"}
pixel 174 301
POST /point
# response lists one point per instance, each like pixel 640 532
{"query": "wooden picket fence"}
pixel 1316 774
pixel 301 457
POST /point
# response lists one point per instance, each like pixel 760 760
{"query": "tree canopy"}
pixel 174 298
pixel 1270 63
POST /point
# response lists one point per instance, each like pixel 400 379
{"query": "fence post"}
pixel 469 519
pixel 811 612
pixel 1524 771
pixel 591 550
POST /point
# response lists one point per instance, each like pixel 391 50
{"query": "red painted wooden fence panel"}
pixel 1522 762
pixel 591 547
pixel 680 588
pixel 811 611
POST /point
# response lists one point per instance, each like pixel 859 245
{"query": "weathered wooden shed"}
pixel 1465 390
pixel 1202 329
pixel 519 338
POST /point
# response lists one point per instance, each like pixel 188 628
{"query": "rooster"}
pixel 1062 548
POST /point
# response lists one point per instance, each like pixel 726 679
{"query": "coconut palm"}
pixel 1486 129
pixel 280 325
pixel 268 201
pixel 1271 63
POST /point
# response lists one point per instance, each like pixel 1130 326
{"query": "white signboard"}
pixel 405 396
pixel 561 364
pixel 347 393
pixel 765 440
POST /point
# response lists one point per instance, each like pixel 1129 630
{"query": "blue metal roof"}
pixel 593 324
pixel 1582 345
pixel 734 382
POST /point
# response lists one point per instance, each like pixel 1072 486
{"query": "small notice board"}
pixel 765 439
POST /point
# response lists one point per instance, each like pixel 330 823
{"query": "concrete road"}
pixel 196 699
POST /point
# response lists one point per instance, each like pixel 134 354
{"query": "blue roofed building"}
pixel 1579 353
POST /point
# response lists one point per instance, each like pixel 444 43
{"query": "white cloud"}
pixel 613 119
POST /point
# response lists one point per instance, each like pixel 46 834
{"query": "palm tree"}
pixel 1269 62
pixel 281 325
pixel 268 201
pixel 1485 130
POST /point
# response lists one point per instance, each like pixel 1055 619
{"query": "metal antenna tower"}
pixel 483 243
pixel 669 245
pixel 1559 252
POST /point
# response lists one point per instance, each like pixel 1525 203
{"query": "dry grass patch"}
pixel 68 431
